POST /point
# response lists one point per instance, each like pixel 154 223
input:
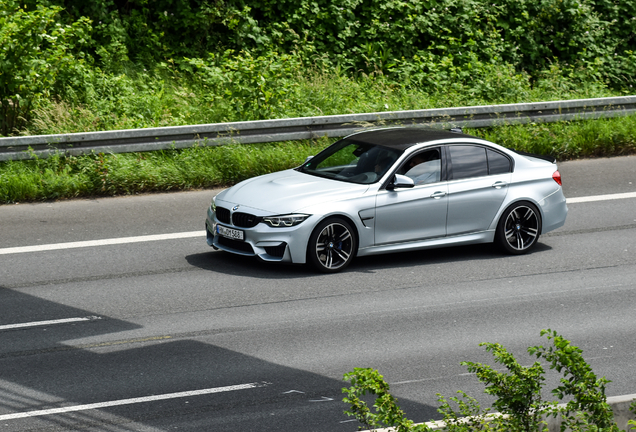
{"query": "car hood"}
pixel 288 192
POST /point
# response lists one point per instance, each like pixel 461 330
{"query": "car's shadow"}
pixel 230 264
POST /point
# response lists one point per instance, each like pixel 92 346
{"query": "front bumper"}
pixel 266 243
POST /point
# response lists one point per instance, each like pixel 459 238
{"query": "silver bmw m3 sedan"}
pixel 390 190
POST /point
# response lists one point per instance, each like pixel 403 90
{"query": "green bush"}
pixel 517 390
pixel 77 66
pixel 243 86
pixel 146 63
pixel 386 411
pixel 409 40
pixel 35 50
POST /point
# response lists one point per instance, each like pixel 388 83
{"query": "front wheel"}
pixel 519 228
pixel 332 245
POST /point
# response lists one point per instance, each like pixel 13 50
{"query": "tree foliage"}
pixel 368 34
pixel 35 50
pixel 597 35
pixel 251 52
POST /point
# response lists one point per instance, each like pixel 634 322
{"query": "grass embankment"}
pixel 139 98
pixel 77 66
pixel 62 177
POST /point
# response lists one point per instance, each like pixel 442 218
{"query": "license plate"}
pixel 230 233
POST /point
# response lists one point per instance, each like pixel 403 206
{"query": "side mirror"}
pixel 308 159
pixel 400 181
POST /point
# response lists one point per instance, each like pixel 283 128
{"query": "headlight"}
pixel 285 221
pixel 213 203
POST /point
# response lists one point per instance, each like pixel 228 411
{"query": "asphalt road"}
pixel 118 337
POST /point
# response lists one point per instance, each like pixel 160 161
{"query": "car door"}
pixel 476 189
pixel 411 214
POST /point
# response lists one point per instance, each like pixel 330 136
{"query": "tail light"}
pixel 557 178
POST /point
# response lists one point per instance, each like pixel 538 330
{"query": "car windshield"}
pixel 352 162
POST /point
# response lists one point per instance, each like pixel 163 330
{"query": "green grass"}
pixel 568 140
pixel 137 98
pixel 140 98
pixel 61 177
pixel 297 78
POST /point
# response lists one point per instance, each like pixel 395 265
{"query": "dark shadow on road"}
pixel 230 264
pixel 19 308
pixel 237 265
pixel 41 368
pixel 480 252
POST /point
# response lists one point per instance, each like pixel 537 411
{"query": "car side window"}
pixel 424 167
pixel 497 163
pixel 468 161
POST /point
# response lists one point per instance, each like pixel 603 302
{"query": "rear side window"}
pixel 468 161
pixel 497 163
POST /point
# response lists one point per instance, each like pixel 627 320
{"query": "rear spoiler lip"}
pixel 548 158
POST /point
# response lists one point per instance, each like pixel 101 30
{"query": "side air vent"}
pixel 276 251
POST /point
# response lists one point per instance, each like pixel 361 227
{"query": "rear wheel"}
pixel 332 245
pixel 519 228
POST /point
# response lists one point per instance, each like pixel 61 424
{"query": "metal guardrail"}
pixel 262 131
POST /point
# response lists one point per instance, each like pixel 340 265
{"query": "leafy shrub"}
pixel 146 63
pixel 595 37
pixel 371 35
pixel 588 406
pixel 518 393
pixel 386 411
pixel 244 86
pixel 35 49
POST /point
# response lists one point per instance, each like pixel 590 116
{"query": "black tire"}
pixel 332 245
pixel 519 228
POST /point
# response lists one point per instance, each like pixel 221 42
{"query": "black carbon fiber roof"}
pixel 404 137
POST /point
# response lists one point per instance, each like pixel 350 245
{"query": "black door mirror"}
pixel 400 181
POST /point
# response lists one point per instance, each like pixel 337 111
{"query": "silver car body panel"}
pixel 421 211
pixel 433 215
pixel 473 203
pixel 289 191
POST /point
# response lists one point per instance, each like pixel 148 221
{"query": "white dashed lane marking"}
pixel 601 198
pixel 106 242
pixel 131 401
pixel 46 323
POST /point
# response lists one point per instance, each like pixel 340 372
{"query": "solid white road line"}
pixel 601 198
pixel 44 323
pixel 129 401
pixel 106 242
pixel 147 238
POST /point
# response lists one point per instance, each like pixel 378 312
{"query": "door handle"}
pixel 438 195
pixel 499 184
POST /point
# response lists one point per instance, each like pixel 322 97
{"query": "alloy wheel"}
pixel 334 246
pixel 521 228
